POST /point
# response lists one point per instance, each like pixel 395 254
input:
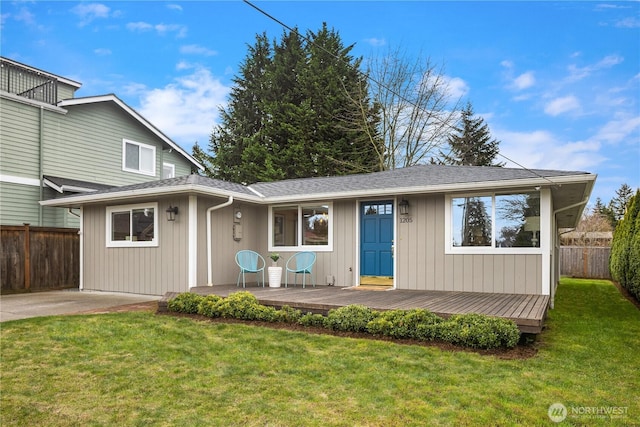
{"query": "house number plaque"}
pixel 406 220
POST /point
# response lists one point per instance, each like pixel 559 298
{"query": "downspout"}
pixel 555 212
pixel 41 164
pixel 209 237
pixel 81 233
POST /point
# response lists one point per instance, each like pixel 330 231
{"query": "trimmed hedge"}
pixel 479 331
pixel 350 318
pixel 467 330
pixel 405 324
pixel 624 262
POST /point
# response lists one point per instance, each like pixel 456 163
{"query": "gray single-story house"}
pixel 427 227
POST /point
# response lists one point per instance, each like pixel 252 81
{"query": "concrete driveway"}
pixel 50 303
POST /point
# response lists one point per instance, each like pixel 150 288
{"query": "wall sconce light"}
pixel 404 207
pixel 172 211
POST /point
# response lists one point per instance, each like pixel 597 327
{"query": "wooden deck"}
pixel 527 311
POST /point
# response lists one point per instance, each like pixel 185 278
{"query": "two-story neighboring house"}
pixel 52 143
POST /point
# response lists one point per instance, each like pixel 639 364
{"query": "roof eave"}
pixel 118 196
pixel 441 188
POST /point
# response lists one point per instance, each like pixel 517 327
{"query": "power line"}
pixel 368 77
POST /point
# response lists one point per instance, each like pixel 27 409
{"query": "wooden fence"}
pixel 38 258
pixel 589 262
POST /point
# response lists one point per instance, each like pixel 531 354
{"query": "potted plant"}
pixel 275 272
pixel 274 257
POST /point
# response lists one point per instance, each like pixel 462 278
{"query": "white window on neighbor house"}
pixel 301 227
pixel 168 170
pixel 132 225
pixel 138 157
pixel 494 223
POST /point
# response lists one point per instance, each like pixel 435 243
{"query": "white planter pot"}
pixel 275 277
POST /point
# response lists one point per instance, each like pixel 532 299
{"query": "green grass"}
pixel 142 369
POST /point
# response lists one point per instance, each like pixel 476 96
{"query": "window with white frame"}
pixel 132 225
pixel 498 221
pixel 168 170
pixel 301 226
pixel 138 157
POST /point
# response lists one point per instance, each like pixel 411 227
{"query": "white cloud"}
pixel 456 86
pixel 507 64
pixel 174 7
pixel 376 42
pixel 87 12
pixel 620 130
pixel 180 30
pixel 579 73
pixel 524 81
pixel 161 29
pixel 521 82
pixel 562 105
pixel 194 49
pixel 139 26
pixel 630 22
pixel 186 109
pixel 542 150
pixel 102 51
pixel 24 15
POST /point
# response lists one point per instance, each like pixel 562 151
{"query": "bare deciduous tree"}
pixel 416 107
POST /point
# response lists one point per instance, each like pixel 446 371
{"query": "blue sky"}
pixel 558 83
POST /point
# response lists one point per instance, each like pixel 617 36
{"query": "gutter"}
pixel 575 205
pixel 209 242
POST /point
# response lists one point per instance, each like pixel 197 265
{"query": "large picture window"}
pixel 298 227
pixel 496 221
pixel 132 225
pixel 138 157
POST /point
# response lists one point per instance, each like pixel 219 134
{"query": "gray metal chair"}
pixel 250 262
pixel 300 263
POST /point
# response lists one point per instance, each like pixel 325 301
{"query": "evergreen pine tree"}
pixel 286 114
pixel 472 144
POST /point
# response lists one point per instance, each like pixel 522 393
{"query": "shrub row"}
pixel 624 261
pixel 467 330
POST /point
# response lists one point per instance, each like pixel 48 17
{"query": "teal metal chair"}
pixel 300 263
pixel 250 262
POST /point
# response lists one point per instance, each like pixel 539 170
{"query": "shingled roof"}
pixel 412 180
pixel 412 177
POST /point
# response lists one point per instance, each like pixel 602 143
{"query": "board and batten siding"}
pixel 340 263
pixel 224 246
pixel 144 270
pixel 422 263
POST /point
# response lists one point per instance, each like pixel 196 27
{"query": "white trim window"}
pixel 138 158
pixel 132 225
pixel 301 227
pixel 495 223
pixel 168 170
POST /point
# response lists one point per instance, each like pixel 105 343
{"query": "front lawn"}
pixel 139 368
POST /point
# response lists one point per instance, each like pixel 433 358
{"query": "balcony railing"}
pixel 28 83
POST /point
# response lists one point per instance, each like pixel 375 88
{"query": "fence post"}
pixel 27 257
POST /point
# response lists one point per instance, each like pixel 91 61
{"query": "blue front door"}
pixel 376 239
